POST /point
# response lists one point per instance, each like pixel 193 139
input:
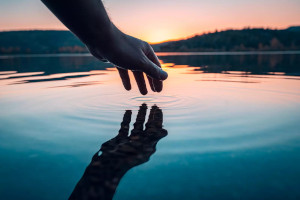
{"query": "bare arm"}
pixel 88 20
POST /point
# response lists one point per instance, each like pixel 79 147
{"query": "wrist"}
pixel 99 35
pixel 104 40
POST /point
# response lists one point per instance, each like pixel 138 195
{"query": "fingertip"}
pixel 125 78
pixel 163 75
pixel 151 83
pixel 144 105
pixel 127 87
pixel 159 90
pixel 144 92
pixel 158 85
pixel 154 107
pixel 139 77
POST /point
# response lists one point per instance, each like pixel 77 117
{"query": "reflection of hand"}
pixel 120 154
pixel 136 148
pixel 130 53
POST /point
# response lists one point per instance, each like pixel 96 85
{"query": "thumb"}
pixel 154 71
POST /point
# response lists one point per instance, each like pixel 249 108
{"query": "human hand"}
pixel 89 21
pixel 129 53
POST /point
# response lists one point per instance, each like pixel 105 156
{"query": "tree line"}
pixel 41 42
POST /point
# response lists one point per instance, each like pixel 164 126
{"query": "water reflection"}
pixel 54 64
pixel 57 78
pixel 46 68
pixel 120 154
pixel 221 123
pixel 251 64
pixel 230 81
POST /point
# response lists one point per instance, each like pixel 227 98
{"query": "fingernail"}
pixel 163 75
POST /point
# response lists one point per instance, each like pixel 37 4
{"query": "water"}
pixel 231 121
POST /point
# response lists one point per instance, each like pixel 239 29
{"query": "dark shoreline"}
pixel 160 53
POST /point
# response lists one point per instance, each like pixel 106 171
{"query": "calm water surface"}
pixel 230 128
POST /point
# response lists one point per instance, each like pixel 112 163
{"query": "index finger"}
pixel 158 85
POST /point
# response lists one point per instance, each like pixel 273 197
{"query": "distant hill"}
pixel 39 42
pixel 238 40
pixel 294 28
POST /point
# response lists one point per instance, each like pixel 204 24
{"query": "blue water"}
pixel 230 128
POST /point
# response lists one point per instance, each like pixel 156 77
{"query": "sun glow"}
pixel 158 35
pixel 157 21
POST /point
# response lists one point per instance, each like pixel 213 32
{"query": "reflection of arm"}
pixel 99 180
pixel 104 173
pixel 119 155
pixel 87 19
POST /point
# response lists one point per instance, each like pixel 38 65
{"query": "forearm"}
pixel 87 19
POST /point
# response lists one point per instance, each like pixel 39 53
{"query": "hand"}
pixel 129 53
pixel 89 21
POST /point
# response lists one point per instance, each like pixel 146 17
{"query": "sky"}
pixel 161 20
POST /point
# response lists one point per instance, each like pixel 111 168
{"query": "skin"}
pixel 88 20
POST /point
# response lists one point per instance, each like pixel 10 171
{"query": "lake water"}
pixel 231 128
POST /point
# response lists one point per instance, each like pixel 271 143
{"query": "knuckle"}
pixel 146 47
pixel 142 62
pixel 146 44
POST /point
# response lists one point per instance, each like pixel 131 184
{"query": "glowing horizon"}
pixel 156 21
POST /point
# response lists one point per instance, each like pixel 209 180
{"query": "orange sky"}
pixel 160 20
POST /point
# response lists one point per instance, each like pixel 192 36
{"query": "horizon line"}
pixel 168 40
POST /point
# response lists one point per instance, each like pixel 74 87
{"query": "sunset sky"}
pixel 159 20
